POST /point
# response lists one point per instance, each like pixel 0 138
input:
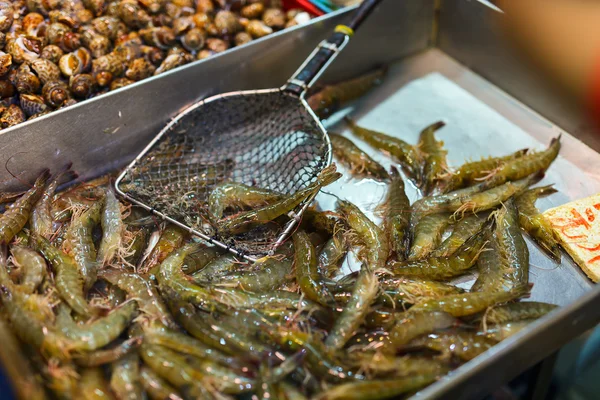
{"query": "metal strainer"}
pixel 266 138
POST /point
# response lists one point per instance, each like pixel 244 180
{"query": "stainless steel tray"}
pixel 454 39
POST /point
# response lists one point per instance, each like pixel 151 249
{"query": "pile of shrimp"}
pixel 106 301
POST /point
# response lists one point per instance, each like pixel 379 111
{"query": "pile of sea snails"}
pixel 54 53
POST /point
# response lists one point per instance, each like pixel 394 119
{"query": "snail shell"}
pixel 64 18
pixel 274 17
pixel 161 37
pixel 120 82
pixel 242 38
pixel 82 86
pixel 5 63
pixel 32 104
pixel 76 62
pixel 19 51
pixel 98 45
pixel 182 25
pixel 201 20
pixel 7 89
pixel 6 16
pixel 172 11
pixel 139 69
pixel 103 78
pixel 111 62
pixel 252 11
pixel 153 54
pixel 183 3
pixel 205 6
pixel 52 53
pixel 55 32
pixel 32 23
pixel 45 70
pixel 193 40
pixel 172 61
pixel 153 6
pixel 161 20
pixel 132 14
pixel 69 103
pixel 42 6
pixel 204 53
pixel 96 6
pixel 257 29
pixel 216 45
pixel 12 116
pixel 2 40
pixel 40 114
pixel 55 93
pixel 226 22
pixel 26 81
pixel 109 26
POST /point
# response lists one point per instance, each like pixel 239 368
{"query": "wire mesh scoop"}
pixel 269 138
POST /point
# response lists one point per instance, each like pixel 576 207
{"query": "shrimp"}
pixel 9 197
pixel 268 273
pixel 359 162
pixel 405 154
pixel 396 217
pixel 171 238
pixel 156 333
pixel 198 260
pixel 107 356
pixel 80 244
pixel 507 265
pixel 519 168
pixel 372 237
pixel 363 295
pixel 93 385
pixel 140 290
pixel 460 305
pixel 68 278
pixel 32 265
pixel 440 268
pixel 520 311
pixel 112 228
pixel 306 265
pixel 332 97
pixel 471 173
pixel 217 268
pixel 326 222
pixel 377 389
pixel 535 224
pixel 504 330
pixel 400 291
pixel 473 199
pixel 435 157
pixel 17 368
pixel 41 217
pixel 380 364
pixel 409 325
pixel 136 244
pixel 98 333
pixel 428 235
pixel 125 378
pixel 463 344
pixel 15 217
pixel 242 222
pixel 232 194
pixel 331 255
pixel 156 387
pixel 463 230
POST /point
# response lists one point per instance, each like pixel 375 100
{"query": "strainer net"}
pixel 267 139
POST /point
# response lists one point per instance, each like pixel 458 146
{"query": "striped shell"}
pixel 6 15
pixel 82 86
pixel 5 63
pixel 52 53
pixel 32 104
pixel 12 116
pixel 46 70
pixel 55 93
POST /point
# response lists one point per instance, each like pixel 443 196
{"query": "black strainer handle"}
pixel 327 50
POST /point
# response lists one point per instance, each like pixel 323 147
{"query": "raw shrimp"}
pixel 232 194
pixel 396 216
pixel 32 265
pixel 170 239
pixel 400 291
pixel 199 259
pixel 15 217
pixel 463 344
pixel 266 274
pixel 517 312
pixel 306 266
pixel 375 244
pixel 107 356
pixel 41 216
pixel 125 378
pixel 331 255
pixel 93 385
pixel 410 325
pixel 112 228
pixel 534 222
pixel 359 162
pixel 156 387
pixel 80 244
pixel 363 295
pixel 377 389
pixel 244 221
pixel 463 230
pixel 427 235
pixel 434 157
pixel 405 154
pixel 332 97
pixel 68 279
pixel 440 268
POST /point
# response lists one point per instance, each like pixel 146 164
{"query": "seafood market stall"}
pixel 446 62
